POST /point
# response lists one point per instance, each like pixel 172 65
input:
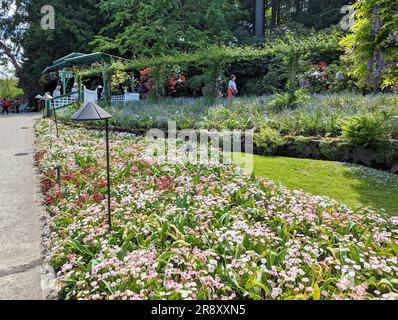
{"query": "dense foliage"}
pixel 146 29
pixel 12 19
pixel 75 25
pixel 319 115
pixel 372 46
pixel 273 67
pixel 201 231
pixel 153 28
pixel 9 89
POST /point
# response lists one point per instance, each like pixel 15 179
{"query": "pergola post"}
pixel 107 78
pixel 260 20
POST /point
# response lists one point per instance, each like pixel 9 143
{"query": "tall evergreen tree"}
pixel 76 24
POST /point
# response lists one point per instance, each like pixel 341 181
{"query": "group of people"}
pixel 232 91
pixel 17 106
pixel 75 91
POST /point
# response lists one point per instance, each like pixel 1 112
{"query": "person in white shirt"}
pixel 57 92
pixel 75 92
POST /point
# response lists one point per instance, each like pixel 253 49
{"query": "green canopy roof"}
pixel 79 59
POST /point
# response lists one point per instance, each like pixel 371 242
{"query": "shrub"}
pixel 287 100
pixel 302 147
pixel 335 151
pixel 367 131
pixel 268 139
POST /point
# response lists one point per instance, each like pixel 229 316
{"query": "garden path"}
pixel 21 265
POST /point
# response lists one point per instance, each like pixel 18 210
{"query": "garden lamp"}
pixel 47 98
pixel 39 97
pixel 93 112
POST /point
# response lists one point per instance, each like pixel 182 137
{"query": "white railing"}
pixel 131 96
pixel 90 95
pixel 59 102
pixel 125 98
pixel 117 99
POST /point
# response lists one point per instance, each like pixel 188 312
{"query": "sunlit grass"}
pixel 353 185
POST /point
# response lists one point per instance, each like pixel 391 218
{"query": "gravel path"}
pixel 22 274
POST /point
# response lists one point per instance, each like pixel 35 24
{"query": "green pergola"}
pixel 81 59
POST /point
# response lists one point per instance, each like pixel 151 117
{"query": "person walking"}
pixel 6 105
pixel 22 106
pixel 100 90
pixel 144 89
pixel 15 105
pixel 232 87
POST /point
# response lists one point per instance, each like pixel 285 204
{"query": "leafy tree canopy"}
pixel 156 27
pixel 12 26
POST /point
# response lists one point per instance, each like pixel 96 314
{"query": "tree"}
pixel 318 14
pixel 156 27
pixel 76 24
pixel 274 7
pixel 372 46
pixel 9 89
pixel 12 19
pixel 260 16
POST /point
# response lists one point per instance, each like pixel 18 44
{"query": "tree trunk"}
pixel 274 6
pixel 294 57
pixel 279 11
pixel 299 6
pixel 260 16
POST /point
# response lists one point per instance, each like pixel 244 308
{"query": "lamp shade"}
pixel 91 112
pixel 47 97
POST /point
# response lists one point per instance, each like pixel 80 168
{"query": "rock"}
pixel 394 168
pixel 364 156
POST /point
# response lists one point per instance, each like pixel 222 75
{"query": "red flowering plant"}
pixel 176 81
pixel 322 76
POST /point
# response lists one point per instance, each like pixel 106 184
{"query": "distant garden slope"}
pixel 337 127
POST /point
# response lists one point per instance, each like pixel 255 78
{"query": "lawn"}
pixel 353 185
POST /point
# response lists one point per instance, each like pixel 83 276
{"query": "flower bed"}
pixel 194 231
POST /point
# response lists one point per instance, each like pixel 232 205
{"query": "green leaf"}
pixel 316 293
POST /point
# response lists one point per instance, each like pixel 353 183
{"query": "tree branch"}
pixel 8 52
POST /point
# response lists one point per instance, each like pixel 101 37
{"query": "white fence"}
pixel 90 95
pixel 125 98
pixel 60 102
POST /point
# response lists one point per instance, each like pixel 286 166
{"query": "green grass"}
pixel 356 186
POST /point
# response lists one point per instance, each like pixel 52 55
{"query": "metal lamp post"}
pixel 39 97
pixel 47 98
pixel 93 112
